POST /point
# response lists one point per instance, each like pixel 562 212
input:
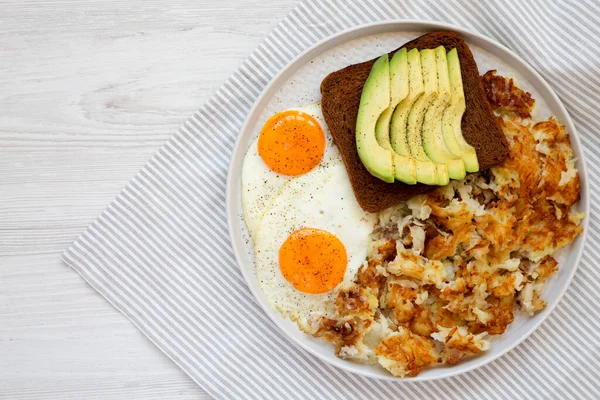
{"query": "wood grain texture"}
pixel 88 92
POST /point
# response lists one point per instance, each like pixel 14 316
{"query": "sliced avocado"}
pixel 414 124
pixel 404 167
pixel 452 117
pixel 415 90
pixel 398 127
pixel 398 91
pixel 374 100
pixel 433 140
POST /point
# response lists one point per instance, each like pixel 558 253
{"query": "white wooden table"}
pixel 88 92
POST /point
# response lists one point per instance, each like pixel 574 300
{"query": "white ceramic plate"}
pixel 298 84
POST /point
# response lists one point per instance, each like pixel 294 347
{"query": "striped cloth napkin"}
pixel 160 253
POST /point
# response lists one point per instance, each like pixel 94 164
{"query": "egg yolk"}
pixel 291 143
pixel 312 260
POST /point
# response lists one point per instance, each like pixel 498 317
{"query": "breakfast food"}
pixel 448 269
pixel 427 280
pixel 406 106
pixel 309 233
pixel 341 94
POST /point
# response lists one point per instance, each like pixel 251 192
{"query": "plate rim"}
pixel 422 25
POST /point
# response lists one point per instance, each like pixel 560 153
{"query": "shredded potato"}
pixel 448 269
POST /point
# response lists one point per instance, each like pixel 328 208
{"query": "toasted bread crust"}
pixel 341 91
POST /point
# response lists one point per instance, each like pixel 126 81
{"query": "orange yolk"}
pixel 312 260
pixel 291 143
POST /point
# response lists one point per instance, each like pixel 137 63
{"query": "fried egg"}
pixel 311 242
pixel 271 162
pixel 310 235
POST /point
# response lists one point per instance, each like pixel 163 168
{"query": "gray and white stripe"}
pixel 160 252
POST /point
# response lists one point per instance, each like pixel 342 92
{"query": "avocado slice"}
pixel 398 91
pixel 374 100
pixel 452 117
pixel 398 127
pixel 433 140
pixel 414 124
pixel 404 166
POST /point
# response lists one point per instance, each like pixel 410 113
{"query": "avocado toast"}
pixel 341 97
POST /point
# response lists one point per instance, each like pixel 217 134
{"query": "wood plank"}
pixel 88 92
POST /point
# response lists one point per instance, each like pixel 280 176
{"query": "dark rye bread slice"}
pixel 341 91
